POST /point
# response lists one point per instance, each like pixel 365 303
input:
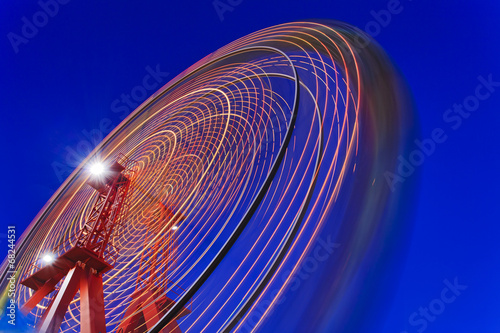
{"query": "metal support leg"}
pixel 92 315
pixel 57 310
pixel 37 297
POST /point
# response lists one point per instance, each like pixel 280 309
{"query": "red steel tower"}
pixel 149 300
pixel 92 255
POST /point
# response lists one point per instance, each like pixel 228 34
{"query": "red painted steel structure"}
pixel 92 255
pixel 149 300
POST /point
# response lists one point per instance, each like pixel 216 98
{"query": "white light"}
pixel 97 169
pixel 48 258
pixel 175 227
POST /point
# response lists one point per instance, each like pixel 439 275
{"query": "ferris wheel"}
pixel 197 212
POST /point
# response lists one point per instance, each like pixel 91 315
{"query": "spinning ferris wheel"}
pixel 185 218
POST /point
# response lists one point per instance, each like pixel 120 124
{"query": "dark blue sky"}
pixel 66 78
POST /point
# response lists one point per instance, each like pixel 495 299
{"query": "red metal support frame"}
pixel 83 264
pixel 92 315
pixel 57 309
pixel 149 300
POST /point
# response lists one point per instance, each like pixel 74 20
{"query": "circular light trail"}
pixel 246 161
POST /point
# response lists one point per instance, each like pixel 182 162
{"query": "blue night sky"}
pixel 62 86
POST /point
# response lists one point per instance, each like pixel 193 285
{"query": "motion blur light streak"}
pixel 244 161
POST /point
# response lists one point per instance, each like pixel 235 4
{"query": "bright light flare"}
pixel 48 258
pixel 97 169
pixel 175 227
